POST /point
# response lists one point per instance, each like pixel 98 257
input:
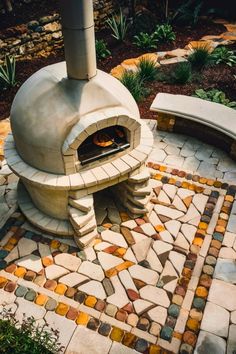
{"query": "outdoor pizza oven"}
pixel 76 130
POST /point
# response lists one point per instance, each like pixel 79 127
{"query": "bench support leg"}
pixel 165 122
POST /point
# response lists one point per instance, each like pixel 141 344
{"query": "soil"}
pixel 220 76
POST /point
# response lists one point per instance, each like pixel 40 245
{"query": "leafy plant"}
pixel 147 70
pixel 199 58
pixel 134 84
pixel 27 338
pixel 119 26
pixel 8 72
pixel 102 51
pixel 182 73
pixel 188 13
pixel 224 55
pixel 164 33
pixel 145 41
pixel 216 96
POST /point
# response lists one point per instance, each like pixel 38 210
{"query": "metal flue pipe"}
pixel 79 38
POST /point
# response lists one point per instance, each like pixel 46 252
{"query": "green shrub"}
pixel 200 58
pixel 188 13
pixel 224 55
pixel 119 26
pixel 102 51
pixel 145 41
pixel 8 72
pixel 147 70
pixel 182 73
pixel 27 338
pixel 134 84
pixel 216 96
pixel 164 33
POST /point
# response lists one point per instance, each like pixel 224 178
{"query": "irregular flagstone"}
pixel 73 279
pixel 166 236
pixel 26 246
pixel 154 219
pixel 146 275
pixel 177 202
pixel 173 226
pixel 188 232
pixel 108 261
pixel 171 285
pixel 181 242
pixel 184 193
pixel 163 198
pixel 130 224
pixel 199 201
pixel 169 212
pixel 129 256
pixel 44 250
pixel 177 259
pixel 12 256
pixel 210 343
pixel 223 294
pixel 114 237
pixel 55 271
pixel 154 262
pixel 226 270
pixel 148 229
pixel 94 288
pixel 158 314
pixel 215 320
pixel 142 306
pixel 141 248
pixel 119 298
pixel 169 273
pixel 88 341
pixel 170 190
pixel 231 343
pixel 68 261
pixel 64 326
pixel 30 262
pixel 156 295
pixel 138 236
pixel 91 270
pixel 192 213
pixel 126 280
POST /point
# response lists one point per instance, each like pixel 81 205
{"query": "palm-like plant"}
pixel 119 26
pixel 8 72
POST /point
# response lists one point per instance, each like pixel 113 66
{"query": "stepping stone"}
pixel 146 275
pixel 28 309
pixel 91 270
pixel 108 261
pixel 114 237
pixel 210 343
pixel 226 270
pixel 142 306
pixel 223 294
pixel 156 295
pixel 68 261
pixel 55 271
pixel 158 314
pixel 215 320
pixel 30 262
pixel 93 288
pixel 141 248
pixel 26 246
pixel 73 279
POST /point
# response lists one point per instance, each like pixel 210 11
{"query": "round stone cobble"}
pixel 193 324
pixel 174 310
pixel 93 324
pixel 111 310
pixel 141 345
pixel 11 268
pixel 80 297
pixel 207 269
pixel 70 292
pixel 166 333
pixel 201 292
pixel 121 315
pixel 30 275
pixel 31 295
pixel 205 280
pixel 195 314
pixel 143 324
pixel 60 289
pixel 21 291
pixel 186 349
pixel 72 313
pixel 217 236
pixel 116 334
pixel 10 286
pixel 90 301
pixel 100 305
pixel 199 303
pixel 62 309
pixel 51 304
pixel 210 260
pixel 190 338
pixel 20 272
pixel 104 329
pixel 50 284
pixel 82 319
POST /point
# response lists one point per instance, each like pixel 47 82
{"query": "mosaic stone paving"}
pixel 162 284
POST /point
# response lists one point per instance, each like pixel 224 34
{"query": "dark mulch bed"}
pixel 220 77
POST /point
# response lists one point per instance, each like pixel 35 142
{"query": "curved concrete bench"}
pixel 213 115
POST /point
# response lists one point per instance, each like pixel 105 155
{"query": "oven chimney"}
pixel 79 38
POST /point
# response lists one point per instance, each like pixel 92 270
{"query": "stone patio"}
pixel 163 284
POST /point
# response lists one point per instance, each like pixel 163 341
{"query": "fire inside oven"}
pixel 103 143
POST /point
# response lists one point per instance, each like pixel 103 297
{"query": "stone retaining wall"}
pixel 40 36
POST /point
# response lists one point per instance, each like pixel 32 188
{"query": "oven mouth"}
pixel 103 143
